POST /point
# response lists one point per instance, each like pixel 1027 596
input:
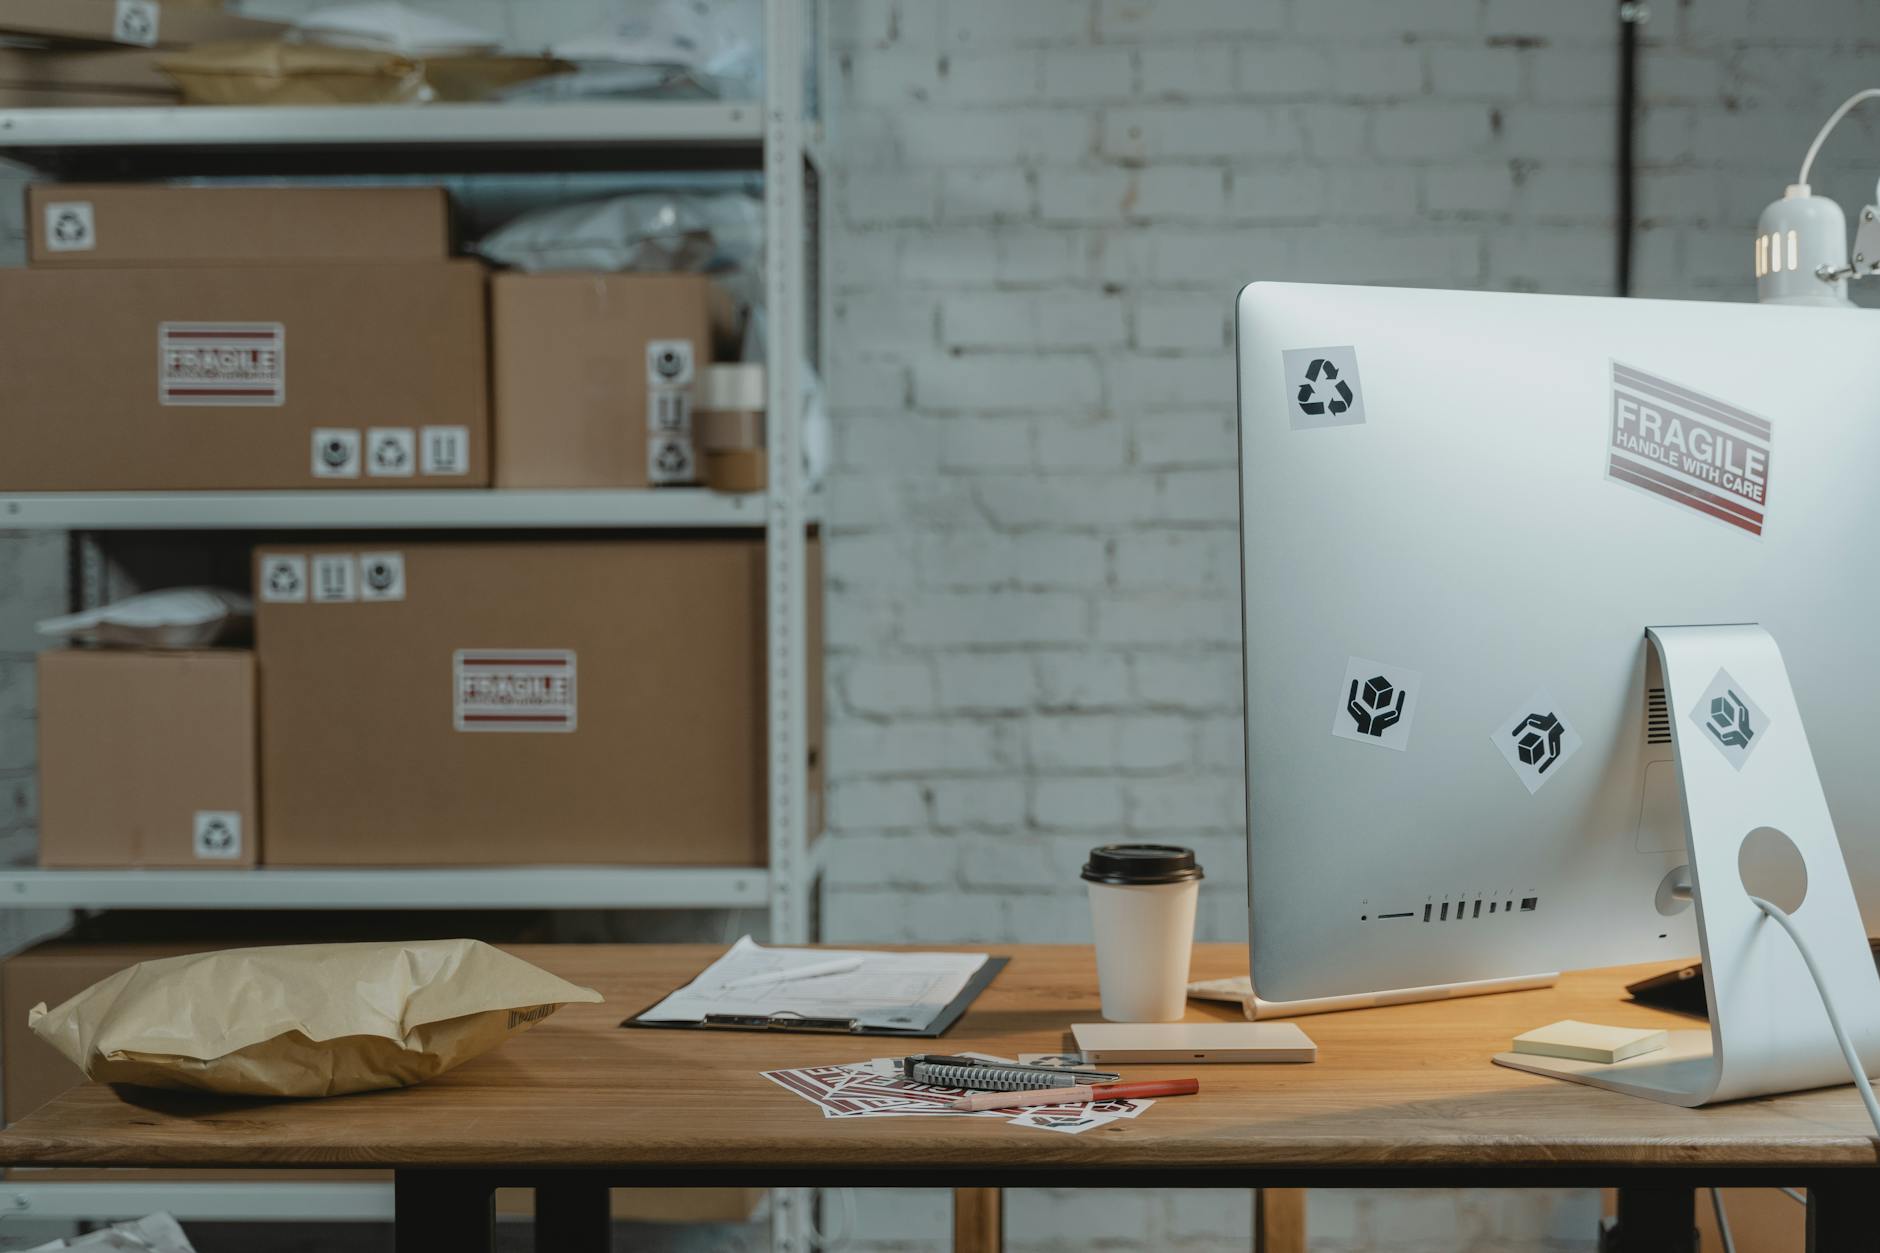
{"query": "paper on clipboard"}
pixel 904 991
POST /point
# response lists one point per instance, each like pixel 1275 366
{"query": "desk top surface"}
pixel 1407 1086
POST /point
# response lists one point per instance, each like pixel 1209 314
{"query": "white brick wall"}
pixel 1042 213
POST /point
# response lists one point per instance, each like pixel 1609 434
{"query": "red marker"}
pixel 1079 1095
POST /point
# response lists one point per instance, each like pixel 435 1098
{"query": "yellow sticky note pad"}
pixel 1589 1042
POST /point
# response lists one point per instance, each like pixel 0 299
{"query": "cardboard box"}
pixel 137 22
pixel 243 377
pixel 577 360
pixel 137 224
pixel 582 701
pixel 85 69
pixel 82 98
pixel 147 758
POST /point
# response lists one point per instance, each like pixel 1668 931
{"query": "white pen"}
pixel 840 966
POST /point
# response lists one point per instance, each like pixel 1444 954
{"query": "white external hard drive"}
pixel 1238 1042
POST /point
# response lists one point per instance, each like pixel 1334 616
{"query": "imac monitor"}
pixel 1460 514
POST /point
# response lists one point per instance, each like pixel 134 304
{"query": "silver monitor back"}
pixel 1459 513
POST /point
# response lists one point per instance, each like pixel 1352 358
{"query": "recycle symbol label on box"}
pixel 1322 387
pixel 70 226
pixel 283 578
pixel 391 452
pixel 218 834
pixel 135 22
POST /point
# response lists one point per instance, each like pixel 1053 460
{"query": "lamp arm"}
pixel 1834 119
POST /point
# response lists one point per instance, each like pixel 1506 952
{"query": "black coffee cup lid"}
pixel 1135 864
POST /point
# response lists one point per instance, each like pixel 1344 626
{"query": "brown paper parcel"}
pixel 303 1019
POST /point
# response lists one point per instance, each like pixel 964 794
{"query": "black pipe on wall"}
pixel 1632 15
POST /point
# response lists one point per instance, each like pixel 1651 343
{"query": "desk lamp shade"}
pixel 1795 236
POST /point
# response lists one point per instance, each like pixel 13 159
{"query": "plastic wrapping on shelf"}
pixel 177 617
pixel 393 27
pixel 713 47
pixel 716 233
pixel 154 1233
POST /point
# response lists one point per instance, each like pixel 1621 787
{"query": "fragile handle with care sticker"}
pixel 1741 750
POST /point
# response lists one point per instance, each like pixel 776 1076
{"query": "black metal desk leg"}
pixel 1841 1216
pixel 441 1209
pixel 1656 1220
pixel 573 1218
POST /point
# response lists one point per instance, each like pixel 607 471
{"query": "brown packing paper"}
pixel 276 72
pixel 283 72
pixel 482 77
pixel 305 1019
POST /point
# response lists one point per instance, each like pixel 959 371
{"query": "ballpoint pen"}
pixel 1078 1095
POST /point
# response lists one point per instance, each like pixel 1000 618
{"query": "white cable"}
pixel 1827 1002
pixel 1793 1195
pixel 1834 119
pixel 1723 1221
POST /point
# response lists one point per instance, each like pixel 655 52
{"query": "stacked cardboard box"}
pixel 54 56
pixel 141 23
pixel 147 758
pixel 480 703
pixel 595 376
pixel 82 78
pixel 241 338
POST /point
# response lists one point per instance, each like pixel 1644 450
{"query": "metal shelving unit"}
pixel 496 887
pixel 47 136
pixel 776 135
pixel 488 508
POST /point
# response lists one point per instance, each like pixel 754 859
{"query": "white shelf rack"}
pixel 443 508
pixel 496 887
pixel 27 134
pixel 775 135
pixel 23 1199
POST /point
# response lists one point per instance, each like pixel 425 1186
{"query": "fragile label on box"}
pixel 221 363
pixel 514 689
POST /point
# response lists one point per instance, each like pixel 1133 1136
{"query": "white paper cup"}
pixel 1142 904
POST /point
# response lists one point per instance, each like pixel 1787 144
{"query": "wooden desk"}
pixel 1403 1096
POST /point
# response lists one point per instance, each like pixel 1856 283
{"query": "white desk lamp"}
pixel 1801 239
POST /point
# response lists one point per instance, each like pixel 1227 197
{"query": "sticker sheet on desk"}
pixel 876 1089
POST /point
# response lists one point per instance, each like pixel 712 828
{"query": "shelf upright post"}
pixel 786 600
pixel 784 549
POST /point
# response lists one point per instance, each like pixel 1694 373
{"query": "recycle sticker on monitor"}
pixel 1694 450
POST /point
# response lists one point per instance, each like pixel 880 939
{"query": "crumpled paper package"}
pixel 303 1019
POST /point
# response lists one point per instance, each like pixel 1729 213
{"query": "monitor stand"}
pixel 1756 823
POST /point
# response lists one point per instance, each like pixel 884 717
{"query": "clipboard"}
pixel 787 1022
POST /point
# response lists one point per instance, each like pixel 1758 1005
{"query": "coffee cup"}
pixel 1142 903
